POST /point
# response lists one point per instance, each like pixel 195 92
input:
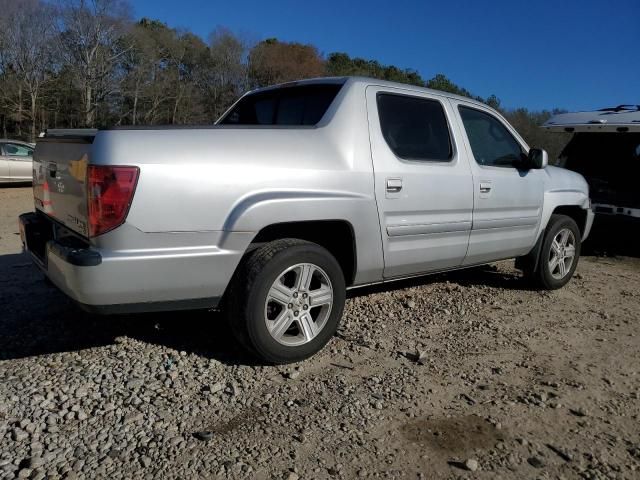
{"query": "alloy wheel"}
pixel 562 253
pixel 298 304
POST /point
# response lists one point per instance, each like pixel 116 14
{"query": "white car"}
pixel 16 161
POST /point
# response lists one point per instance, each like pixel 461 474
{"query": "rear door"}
pixel 20 161
pixel 423 185
pixel 507 199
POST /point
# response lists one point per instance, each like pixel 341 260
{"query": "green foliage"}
pixel 441 82
pixel 527 124
pixel 341 65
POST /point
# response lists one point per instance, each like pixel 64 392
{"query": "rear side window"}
pixel 491 143
pixel 16 150
pixel 297 105
pixel 415 128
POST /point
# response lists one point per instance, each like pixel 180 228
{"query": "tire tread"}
pixel 245 279
pixel 539 274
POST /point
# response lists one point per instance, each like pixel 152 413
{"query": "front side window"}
pixel 15 150
pixel 291 106
pixel 415 128
pixel 491 143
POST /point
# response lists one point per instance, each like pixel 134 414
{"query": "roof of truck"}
pixel 622 118
pixel 371 81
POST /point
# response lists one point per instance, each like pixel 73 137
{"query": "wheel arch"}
pixel 336 235
pixel 573 203
pixel 335 219
pixel 575 211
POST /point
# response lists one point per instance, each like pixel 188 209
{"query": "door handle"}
pixel 485 187
pixel 394 185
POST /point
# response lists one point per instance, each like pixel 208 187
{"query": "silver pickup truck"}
pixel 299 192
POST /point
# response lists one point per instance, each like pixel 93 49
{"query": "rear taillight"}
pixel 110 192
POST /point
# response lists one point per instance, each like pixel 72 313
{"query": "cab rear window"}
pixel 295 105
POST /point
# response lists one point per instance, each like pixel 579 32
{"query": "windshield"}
pixel 295 105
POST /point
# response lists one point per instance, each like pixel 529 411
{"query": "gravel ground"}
pixel 466 375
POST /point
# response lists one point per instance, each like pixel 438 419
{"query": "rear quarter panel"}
pixel 230 179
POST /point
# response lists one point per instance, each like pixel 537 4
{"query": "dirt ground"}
pixel 464 375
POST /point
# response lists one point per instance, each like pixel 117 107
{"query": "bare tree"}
pixel 139 64
pixel 225 75
pixel 27 52
pixel 10 95
pixel 91 34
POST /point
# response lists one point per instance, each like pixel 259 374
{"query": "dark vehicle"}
pixel 605 149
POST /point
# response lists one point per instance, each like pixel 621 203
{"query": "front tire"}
pixel 559 254
pixel 286 300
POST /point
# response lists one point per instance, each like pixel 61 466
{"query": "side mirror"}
pixel 538 158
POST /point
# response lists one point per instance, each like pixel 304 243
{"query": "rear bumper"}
pixel 78 257
pixel 141 280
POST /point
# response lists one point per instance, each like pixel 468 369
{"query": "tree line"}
pixel 87 63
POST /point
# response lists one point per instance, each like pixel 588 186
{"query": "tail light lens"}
pixel 110 192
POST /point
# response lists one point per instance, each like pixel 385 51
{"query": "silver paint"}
pixel 204 193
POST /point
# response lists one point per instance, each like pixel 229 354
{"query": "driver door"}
pixel 507 199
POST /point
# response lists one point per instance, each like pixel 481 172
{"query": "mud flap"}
pixel 530 262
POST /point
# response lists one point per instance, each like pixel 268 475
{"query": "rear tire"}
pixel 559 254
pixel 286 300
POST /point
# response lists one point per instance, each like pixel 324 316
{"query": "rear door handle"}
pixel 394 185
pixel 485 187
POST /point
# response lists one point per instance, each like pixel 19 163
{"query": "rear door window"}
pixel 17 150
pixel 415 128
pixel 296 105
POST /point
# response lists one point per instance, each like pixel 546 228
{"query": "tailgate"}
pixel 60 165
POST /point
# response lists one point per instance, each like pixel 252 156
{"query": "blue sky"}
pixel 578 55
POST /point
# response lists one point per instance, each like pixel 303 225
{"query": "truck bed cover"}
pixel 615 119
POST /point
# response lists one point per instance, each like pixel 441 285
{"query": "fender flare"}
pixel 261 209
pixel 553 200
pixel 242 216
pixel 565 197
